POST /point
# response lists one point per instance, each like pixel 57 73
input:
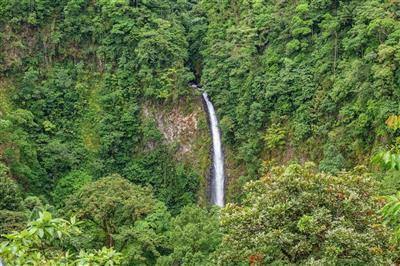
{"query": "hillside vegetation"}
pixel 104 146
pixel 76 75
pixel 303 80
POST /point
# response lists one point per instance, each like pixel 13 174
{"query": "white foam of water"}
pixel 218 183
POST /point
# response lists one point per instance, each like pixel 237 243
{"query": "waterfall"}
pixel 218 178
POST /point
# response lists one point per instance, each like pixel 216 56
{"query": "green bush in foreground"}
pixel 41 244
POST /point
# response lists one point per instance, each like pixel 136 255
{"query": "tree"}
pixel 110 202
pixel 122 215
pixel 333 160
pixel 295 216
pixel 194 235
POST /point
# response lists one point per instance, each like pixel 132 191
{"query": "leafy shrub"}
pixel 39 244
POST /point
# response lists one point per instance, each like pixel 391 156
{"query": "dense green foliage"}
pixel 10 193
pixel 95 106
pixel 294 216
pixel 324 74
pixel 11 216
pixel 68 185
pixel 80 72
pixel 388 160
pixel 110 203
pixel 127 216
pixel 194 235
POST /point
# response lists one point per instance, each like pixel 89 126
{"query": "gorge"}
pixel 126 128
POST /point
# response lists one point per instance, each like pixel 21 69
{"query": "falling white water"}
pixel 218 177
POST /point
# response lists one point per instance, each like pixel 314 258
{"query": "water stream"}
pixel 217 188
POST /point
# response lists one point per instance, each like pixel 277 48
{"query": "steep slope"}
pixel 76 76
pixel 302 80
pixel 291 81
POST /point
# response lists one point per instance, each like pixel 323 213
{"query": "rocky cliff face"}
pixel 183 125
pixel 177 124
